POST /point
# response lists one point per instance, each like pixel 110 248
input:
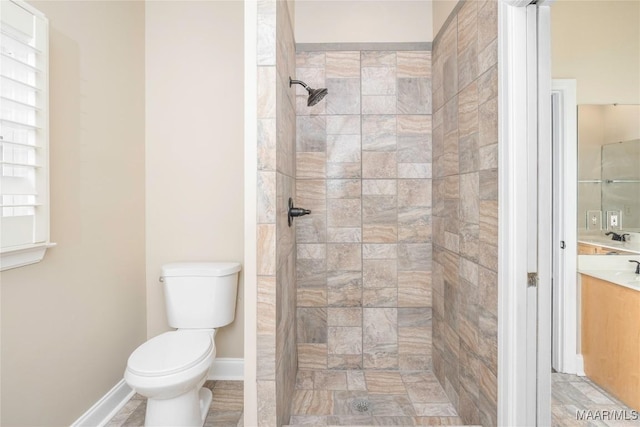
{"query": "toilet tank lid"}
pixel 199 269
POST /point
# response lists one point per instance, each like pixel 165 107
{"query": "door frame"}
pixel 524 312
pixel 565 171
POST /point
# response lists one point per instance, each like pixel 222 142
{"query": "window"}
pixel 24 135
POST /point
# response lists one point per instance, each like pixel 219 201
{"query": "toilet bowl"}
pixel 170 370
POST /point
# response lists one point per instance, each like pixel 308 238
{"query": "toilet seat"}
pixel 170 353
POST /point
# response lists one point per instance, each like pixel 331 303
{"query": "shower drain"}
pixel 361 405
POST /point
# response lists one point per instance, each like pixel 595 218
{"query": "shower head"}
pixel 315 95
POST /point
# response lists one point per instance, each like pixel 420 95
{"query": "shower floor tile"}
pixel 371 398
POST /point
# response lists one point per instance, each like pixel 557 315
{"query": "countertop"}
pixel 612 268
pixel 633 245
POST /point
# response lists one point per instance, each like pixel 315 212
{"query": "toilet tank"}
pixel 200 295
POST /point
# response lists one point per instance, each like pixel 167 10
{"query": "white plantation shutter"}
pixel 24 187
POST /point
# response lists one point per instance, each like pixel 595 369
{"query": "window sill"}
pixel 23 255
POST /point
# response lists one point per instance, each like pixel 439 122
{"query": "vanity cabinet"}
pixel 611 338
pixel 587 249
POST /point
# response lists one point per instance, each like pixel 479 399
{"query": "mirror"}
pixel 621 182
pixel 609 167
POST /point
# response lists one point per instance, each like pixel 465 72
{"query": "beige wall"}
pixel 70 322
pixel 441 11
pixel 194 145
pixel 320 21
pixel 598 44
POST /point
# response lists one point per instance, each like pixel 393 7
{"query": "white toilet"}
pixel 171 368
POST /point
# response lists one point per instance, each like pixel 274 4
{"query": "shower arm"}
pixel 298 82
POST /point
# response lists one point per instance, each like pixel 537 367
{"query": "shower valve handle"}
pixel 295 212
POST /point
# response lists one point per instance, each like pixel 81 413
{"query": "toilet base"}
pixel 189 409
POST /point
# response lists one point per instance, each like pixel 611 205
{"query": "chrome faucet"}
pixel 637 265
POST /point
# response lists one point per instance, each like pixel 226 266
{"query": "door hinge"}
pixel 562 244
pixel 532 280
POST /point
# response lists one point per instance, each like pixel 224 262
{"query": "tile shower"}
pixel 363 167
pixel 387 291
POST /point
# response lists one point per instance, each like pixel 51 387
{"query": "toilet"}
pixel 171 368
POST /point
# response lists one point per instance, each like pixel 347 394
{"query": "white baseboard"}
pixel 227 368
pixel 224 368
pixel 580 366
pixel 105 408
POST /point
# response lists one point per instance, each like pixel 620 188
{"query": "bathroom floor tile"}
pixel 226 408
pixel 572 395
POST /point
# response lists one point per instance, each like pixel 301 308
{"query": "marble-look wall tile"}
pixel 379 164
pixel 344 188
pixel 344 316
pixel 344 257
pixel 465 212
pixel 266 40
pixel 380 338
pixel 379 104
pixel 379 273
pixel 344 170
pixel 266 95
pixel 311 133
pixel 378 80
pixel 379 209
pixel 414 64
pixel 379 233
pixel 343 64
pixel 488 122
pixel 311 165
pixel 344 340
pixel 380 297
pixel 379 132
pixel 414 289
pixel 345 96
pixel 266 191
pixel 343 148
pixel 266 144
pixel 343 125
pixel 379 187
pixel 311 325
pixel 344 234
pixel 467 44
pixel 344 212
pixel 350 157
pixel 378 58
pixel 414 95
pixel 276 248
pixel 310 59
pixel 266 243
pixel 344 289
pixel 266 305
